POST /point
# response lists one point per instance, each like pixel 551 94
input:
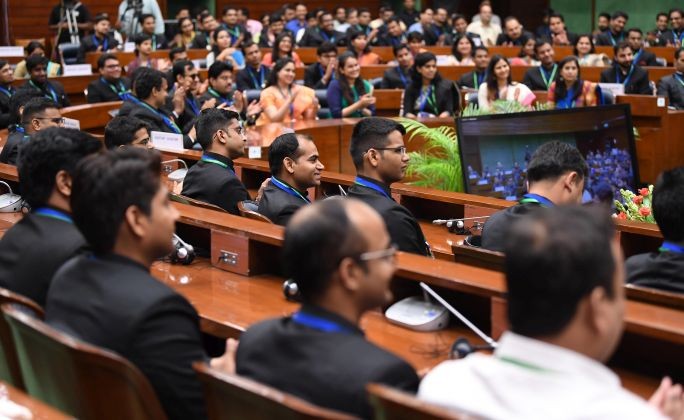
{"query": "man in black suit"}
pixel 473 79
pixel 186 78
pixel 124 213
pixel 555 174
pixel 110 86
pixel 340 256
pixel 635 39
pixel 127 131
pixel 626 72
pixel 318 75
pixel 675 36
pixel 399 77
pixel 664 269
pixel 38 114
pixel 32 250
pixel 672 87
pixel 379 154
pixel 254 75
pixel 101 40
pixel 438 32
pixel 6 93
pixel 540 78
pixel 38 81
pixel 394 35
pixel 616 30
pixel 151 91
pixel 513 34
pixel 295 167
pixel 559 32
pixel 323 32
pixel 148 23
pixel 213 178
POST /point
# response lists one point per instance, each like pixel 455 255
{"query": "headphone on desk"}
pixel 183 252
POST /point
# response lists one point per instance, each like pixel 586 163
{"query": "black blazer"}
pixel 246 78
pixel 313 38
pixel 467 80
pixel 647 58
pixel 313 77
pixel 113 302
pixel 329 369
pixel 444 96
pixel 660 270
pixel 533 78
pixel 496 226
pixel 432 32
pixel 101 90
pixel 605 39
pixel 156 123
pixel 5 107
pixel 159 42
pixel 638 83
pixel 671 88
pixel 278 205
pixel 668 37
pixel 88 44
pixel 214 184
pixel 401 225
pixel 33 250
pixel 10 153
pixel 391 79
pixel 51 87
pixel 522 39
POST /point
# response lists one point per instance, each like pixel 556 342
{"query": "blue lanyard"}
pixel 537 199
pixel 234 34
pixel 427 97
pixel 53 214
pixel 635 60
pixel 326 37
pixel 629 75
pixel 168 121
pixel 670 247
pixel 283 186
pixel 404 81
pixel 53 94
pixel 362 182
pixel 218 96
pixel 396 41
pixel 318 323
pixel 477 79
pixel 209 159
pixel 193 106
pixel 121 92
pixel 679 37
pixel 105 43
pixel 258 84
pixel 19 129
pixel 612 40
pixel 9 92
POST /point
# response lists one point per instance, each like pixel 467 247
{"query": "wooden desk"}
pixel 73 86
pixel 40 410
pixel 92 117
pixel 126 57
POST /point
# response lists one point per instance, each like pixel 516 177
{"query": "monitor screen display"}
pixel 495 149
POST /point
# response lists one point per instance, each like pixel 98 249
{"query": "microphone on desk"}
pixel 183 252
pixel 458 225
pixel 462 346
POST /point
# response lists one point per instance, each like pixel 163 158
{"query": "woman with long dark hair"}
pixel 222 50
pixel 285 101
pixel 428 95
pixel 188 37
pixel 283 47
pixel 527 55
pixel 358 44
pixel 570 90
pixel 348 94
pixel 462 52
pixel 499 85
pixel 586 53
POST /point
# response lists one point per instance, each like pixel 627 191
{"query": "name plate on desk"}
pixel 72 123
pixel 129 47
pixel 77 70
pixel 167 141
pixel 254 152
pixel 614 88
pixel 11 51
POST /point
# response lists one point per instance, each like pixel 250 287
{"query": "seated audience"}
pixel 101 40
pixel 399 77
pixel 473 79
pixel 540 78
pixel 460 27
pixel 148 24
pixel 188 37
pixel 527 55
pixel 672 87
pixel 415 42
pixel 186 81
pixel 499 86
pixel 123 210
pixel 425 19
pixel 143 57
pixel 586 53
pixel 285 101
pixel 34 248
pixel 38 114
pixel 318 75
pixel 36 48
pixel 564 276
pixel 570 90
pixel 221 50
pixel 177 54
pixel 675 36
pixel 358 44
pixel 438 32
pixel 38 81
pixel 340 256
pixel 349 95
pixel 110 86
pixel 462 52
pixel 635 39
pixel 559 33
pixel 654 37
pixel 269 34
pixel 616 30
pixel 409 14
pixel 284 47
pixel 127 131
pixel 255 74
pixel 16 131
pixel 236 31
pixel 220 94
pixel 380 158
pixel 213 178
pixel 484 27
pixel 664 269
pixel 394 35
pixel 323 32
pixel 602 24
pixel 495 19
pixel 429 95
pixel 295 167
pixel 556 175
pixel 513 34
pixel 626 72
pixel 299 21
pixel 6 93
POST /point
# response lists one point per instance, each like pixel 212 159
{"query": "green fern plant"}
pixel 503 107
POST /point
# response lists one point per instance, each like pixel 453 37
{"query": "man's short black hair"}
pixel 174 51
pixel 101 60
pixel 639 31
pixel 369 133
pixel 120 131
pixel 554 159
pixel 219 67
pixel 180 67
pixel 100 17
pixel 107 184
pixel 480 47
pixel 246 44
pixel 541 42
pixel 326 47
pixel 662 14
pixel 210 121
pixel 400 47
pixel 312 251
pixel 146 16
pixel 668 204
pixel 678 52
pixel 34 45
pixel 394 19
pixel 619 14
pixel 145 81
pixel 554 259
pixel 48 152
pixel 19 99
pixel 415 37
pixel 621 46
pixel 141 37
pixel 675 10
pixel 36 106
pixel 285 145
pixel 557 15
pixel 33 61
pixel 604 15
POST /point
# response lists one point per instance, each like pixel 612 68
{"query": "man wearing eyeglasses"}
pixel 110 86
pixel 340 256
pixel 186 77
pixel 213 178
pixel 38 81
pixel 380 157
pixel 39 114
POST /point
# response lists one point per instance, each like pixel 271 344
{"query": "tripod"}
pixel 132 26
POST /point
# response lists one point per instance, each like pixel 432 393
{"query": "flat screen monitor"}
pixel 495 149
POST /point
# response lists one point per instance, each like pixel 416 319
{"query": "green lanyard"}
pixel 550 79
pixel 523 364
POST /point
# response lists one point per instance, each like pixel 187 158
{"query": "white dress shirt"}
pixel 531 379
pixel 488 33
